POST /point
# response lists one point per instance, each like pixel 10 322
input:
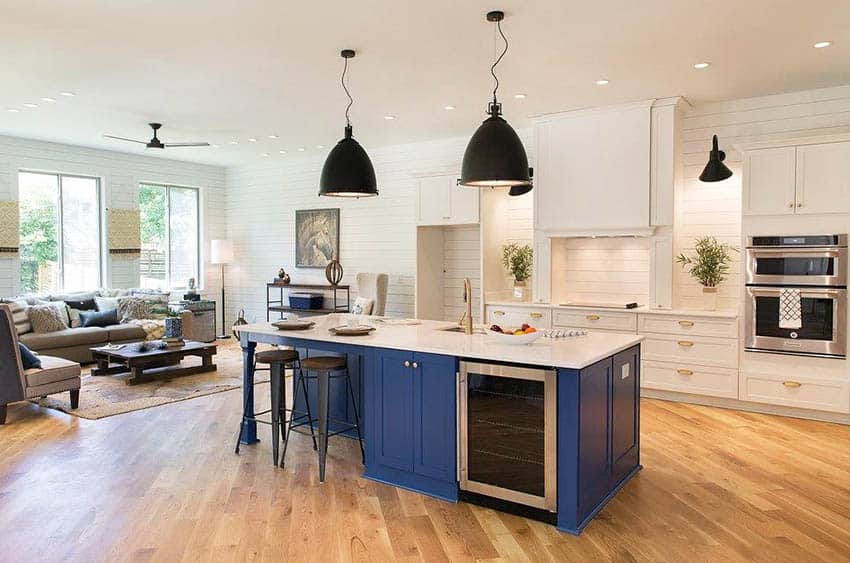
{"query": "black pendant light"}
pixel 348 172
pixel 715 170
pixel 495 155
pixel 522 190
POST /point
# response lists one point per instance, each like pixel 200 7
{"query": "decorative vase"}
pixel 174 327
pixel 520 290
pixel 709 298
pixel 240 321
pixel 333 272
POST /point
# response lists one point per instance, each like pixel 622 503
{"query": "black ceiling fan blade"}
pixel 187 144
pixel 126 139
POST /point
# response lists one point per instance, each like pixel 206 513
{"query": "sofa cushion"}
pixel 49 318
pixel 75 296
pixel 99 318
pixel 106 303
pixel 64 338
pixel 123 332
pixel 133 309
pixel 52 370
pixel 81 304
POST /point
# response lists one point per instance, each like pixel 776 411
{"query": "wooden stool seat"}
pixel 270 356
pixel 324 363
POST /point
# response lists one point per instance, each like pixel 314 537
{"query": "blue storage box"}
pixel 306 300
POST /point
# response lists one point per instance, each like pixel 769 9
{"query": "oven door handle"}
pixel 812 252
pixel 808 292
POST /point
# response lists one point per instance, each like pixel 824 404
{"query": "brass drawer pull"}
pixel 592 317
pixel 686 323
pixel 684 372
pixel 499 313
pixel 685 343
pixel 792 384
pixel 536 315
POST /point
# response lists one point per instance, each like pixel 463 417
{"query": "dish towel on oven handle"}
pixel 790 309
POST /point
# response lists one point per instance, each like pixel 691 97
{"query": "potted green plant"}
pixel 710 266
pixel 517 260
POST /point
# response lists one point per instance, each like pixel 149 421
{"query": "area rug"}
pixel 109 395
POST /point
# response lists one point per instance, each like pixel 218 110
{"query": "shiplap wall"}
pixel 462 255
pixel 715 209
pixel 120 175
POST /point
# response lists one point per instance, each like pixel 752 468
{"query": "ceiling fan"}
pixel 155 143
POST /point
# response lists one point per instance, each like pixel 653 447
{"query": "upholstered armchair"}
pixel 16 384
pixel 374 286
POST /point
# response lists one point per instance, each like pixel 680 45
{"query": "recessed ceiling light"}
pixel 31 105
pixel 282 152
pixel 601 82
pixel 300 149
pixel 234 142
pixel 389 117
pixel 252 140
pixel 449 108
pixel 822 44
pixel 272 136
pixel 320 146
pixel 48 100
pixel 68 94
pixel 700 66
pixel 520 96
pixel 264 154
pixel 13 110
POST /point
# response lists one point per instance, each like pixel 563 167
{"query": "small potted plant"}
pixel 709 267
pixel 517 260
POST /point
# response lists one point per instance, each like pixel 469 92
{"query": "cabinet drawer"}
pixel 690 378
pixel 516 316
pixel 606 320
pixel 699 350
pixel 683 325
pixel 801 392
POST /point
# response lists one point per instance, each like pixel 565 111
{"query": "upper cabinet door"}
pixel 823 178
pixel 465 203
pixel 769 178
pixel 593 171
pixel 434 201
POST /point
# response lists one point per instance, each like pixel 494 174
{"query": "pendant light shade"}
pixel 715 170
pixel 495 155
pixel 348 171
pixel 522 190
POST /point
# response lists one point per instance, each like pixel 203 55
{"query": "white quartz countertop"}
pixel 569 353
pixel 642 310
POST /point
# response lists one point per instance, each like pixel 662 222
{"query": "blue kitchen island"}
pixel 417 397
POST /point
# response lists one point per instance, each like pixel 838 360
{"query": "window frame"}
pixel 101 263
pixel 167 186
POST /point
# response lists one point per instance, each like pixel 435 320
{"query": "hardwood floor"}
pixel 163 484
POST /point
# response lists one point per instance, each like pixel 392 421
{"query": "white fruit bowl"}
pixel 515 339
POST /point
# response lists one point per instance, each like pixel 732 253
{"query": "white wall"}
pixel 120 175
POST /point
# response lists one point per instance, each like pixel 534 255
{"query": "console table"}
pixel 279 304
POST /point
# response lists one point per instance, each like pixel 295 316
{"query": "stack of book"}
pixel 173 342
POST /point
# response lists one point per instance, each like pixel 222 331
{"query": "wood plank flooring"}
pixel 163 484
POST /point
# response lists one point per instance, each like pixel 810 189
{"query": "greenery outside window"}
pixel 60 232
pixel 170 236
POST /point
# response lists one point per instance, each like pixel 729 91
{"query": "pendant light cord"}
pixel 498 60
pixel 347 93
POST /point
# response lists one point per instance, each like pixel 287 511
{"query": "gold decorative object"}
pixel 9 227
pixel 333 271
pixel 125 231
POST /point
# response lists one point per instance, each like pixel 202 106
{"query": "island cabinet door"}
pixel 393 396
pixel 625 420
pixel 594 470
pixel 435 416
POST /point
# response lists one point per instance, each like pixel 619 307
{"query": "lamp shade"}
pixel 348 171
pixel 495 156
pixel 221 251
pixel 715 170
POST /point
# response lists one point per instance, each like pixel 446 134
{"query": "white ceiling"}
pixel 219 70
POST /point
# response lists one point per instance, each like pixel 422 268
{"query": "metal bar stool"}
pixel 277 360
pixel 323 369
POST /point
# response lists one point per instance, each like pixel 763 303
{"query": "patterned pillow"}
pixel 106 303
pixel 363 306
pixel 132 309
pixel 19 315
pixel 48 318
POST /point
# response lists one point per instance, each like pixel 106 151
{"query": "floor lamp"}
pixel 221 252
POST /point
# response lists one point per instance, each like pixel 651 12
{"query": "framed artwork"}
pixel 316 237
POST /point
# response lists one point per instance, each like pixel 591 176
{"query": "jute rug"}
pixel 109 395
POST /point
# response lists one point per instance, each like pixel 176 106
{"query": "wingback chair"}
pixel 16 384
pixel 374 286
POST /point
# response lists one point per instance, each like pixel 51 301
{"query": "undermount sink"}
pixel 462 330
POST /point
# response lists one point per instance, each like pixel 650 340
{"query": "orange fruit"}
pixel 530 330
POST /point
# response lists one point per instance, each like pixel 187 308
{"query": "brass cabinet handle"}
pixel 685 343
pixel 592 317
pixel 499 313
pixel 536 315
pixel 686 323
pixel 415 365
pixel 790 205
pixel 406 364
pixel 792 384
pixel 684 372
pixel 799 205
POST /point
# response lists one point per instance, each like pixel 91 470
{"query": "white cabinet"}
pixel 802 179
pixel 541 290
pixel 442 202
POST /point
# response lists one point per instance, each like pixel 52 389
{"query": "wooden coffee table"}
pixel 154 363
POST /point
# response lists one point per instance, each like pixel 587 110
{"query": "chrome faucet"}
pixel 466 320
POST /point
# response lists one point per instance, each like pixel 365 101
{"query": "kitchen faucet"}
pixel 466 320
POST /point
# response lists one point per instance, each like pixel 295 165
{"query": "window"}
pixel 170 248
pixel 60 247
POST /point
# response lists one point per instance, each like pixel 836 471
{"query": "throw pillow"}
pixel 363 306
pixel 19 315
pixel 28 359
pixel 99 318
pixel 106 303
pixel 73 317
pixel 133 309
pixel 82 304
pixel 48 318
